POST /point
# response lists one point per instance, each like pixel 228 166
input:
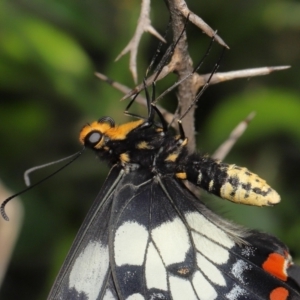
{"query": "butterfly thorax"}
pixel 134 143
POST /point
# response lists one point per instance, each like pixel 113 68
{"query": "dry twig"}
pixel 144 24
pixel 235 134
pixel 188 82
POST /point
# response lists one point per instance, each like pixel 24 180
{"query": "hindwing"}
pixel 148 237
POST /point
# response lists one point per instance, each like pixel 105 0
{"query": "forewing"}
pixel 86 273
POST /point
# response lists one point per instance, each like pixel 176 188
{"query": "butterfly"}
pixel 147 236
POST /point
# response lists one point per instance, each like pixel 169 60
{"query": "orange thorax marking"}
pixel 119 132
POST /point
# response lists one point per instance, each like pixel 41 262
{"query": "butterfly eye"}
pixel 93 138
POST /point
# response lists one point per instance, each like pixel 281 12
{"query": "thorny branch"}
pixel 199 81
pixel 235 134
pixel 144 24
pixel 188 83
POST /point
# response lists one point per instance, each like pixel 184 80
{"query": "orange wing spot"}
pixel 181 175
pixel 276 265
pixel 279 293
pixel 124 157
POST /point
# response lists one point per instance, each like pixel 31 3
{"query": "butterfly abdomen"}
pixel 230 182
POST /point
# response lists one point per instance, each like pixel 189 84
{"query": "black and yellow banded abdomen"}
pixel 230 182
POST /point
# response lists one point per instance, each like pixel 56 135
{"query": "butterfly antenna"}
pixel 198 66
pixel 214 70
pixel 158 50
pixel 27 181
pixel 170 51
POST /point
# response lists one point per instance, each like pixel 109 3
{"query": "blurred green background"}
pixel 49 51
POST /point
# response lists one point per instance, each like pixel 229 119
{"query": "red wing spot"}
pixel 275 265
pixel 279 293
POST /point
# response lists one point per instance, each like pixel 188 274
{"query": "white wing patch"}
pixel 210 270
pixel 209 249
pixel 181 289
pixel 135 297
pixel 108 295
pixel 239 268
pixel 172 241
pixel 89 270
pixel 156 275
pixel 235 293
pixel 130 244
pixel 204 289
pixel 206 228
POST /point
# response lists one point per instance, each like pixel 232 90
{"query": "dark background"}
pixel 49 52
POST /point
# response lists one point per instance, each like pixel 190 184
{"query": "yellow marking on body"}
pixel 210 185
pixel 118 132
pixel 184 142
pixel 143 145
pixel 243 186
pixel 172 157
pixel 100 144
pixel 95 126
pixel 181 175
pixel 159 129
pixel 199 178
pixel 124 158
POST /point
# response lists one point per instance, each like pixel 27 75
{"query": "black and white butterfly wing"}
pixel 86 272
pixel 231 262
pixel 148 237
